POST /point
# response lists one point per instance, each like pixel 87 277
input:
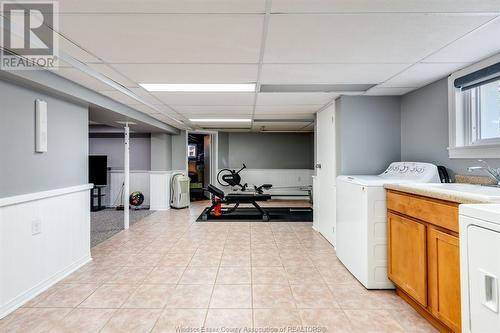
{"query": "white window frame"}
pixel 463 141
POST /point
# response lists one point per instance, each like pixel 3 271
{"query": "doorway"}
pixel 201 163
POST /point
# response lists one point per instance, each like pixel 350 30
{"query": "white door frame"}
pixel 214 167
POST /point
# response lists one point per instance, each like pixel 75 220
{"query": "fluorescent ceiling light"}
pixel 199 87
pixel 225 120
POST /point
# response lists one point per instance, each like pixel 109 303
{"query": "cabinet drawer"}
pixel 441 213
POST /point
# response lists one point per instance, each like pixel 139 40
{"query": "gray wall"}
pixel 424 128
pixel 270 150
pixel 140 151
pixel 161 152
pixel 179 151
pixel 368 133
pixel 65 164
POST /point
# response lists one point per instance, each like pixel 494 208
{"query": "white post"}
pixel 126 186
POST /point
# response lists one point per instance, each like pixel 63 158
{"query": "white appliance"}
pixel 179 191
pixel 480 267
pixel 362 219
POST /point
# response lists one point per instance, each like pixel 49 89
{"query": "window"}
pixel 482 104
pixel 474 110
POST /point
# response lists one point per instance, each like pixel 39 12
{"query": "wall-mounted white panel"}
pixel 328 73
pixel 41 126
pixel 31 263
pixel 145 38
pixel 363 38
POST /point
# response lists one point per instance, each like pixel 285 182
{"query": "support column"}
pixel 126 174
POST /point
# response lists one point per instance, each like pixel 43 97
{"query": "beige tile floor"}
pixel 170 274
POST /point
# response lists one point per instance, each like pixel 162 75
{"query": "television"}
pixel 98 169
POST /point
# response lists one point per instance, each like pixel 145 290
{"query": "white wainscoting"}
pixel 30 264
pixel 278 178
pixel 139 181
pixel 155 185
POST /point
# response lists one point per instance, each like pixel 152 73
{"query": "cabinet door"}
pixel 407 256
pixel 444 277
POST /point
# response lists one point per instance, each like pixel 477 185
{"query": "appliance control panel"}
pixel 412 171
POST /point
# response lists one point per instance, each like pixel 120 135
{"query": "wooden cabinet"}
pixel 423 256
pixel 444 277
pixel 407 266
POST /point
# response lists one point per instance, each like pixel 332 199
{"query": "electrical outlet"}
pixel 299 178
pixel 36 227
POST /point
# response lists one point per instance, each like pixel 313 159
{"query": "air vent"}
pixel 327 88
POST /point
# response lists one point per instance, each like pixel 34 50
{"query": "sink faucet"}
pixel 495 173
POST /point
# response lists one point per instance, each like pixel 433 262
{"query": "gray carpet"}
pixel 108 222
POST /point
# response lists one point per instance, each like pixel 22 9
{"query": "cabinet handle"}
pixel 489 290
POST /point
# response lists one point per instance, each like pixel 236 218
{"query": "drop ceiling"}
pixel 397 46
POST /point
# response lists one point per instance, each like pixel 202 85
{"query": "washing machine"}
pixel 361 221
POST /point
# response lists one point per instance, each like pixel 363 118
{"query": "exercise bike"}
pixel 227 177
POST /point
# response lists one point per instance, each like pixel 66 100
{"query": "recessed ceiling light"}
pixel 210 87
pixel 224 120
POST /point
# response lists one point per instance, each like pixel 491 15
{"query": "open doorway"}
pixel 201 162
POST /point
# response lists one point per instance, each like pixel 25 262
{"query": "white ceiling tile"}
pixel 214 115
pixel 76 52
pixel 145 38
pixel 81 78
pixel 363 38
pixel 111 73
pixel 421 74
pixel 125 99
pixel 160 108
pixel 287 109
pixel 308 116
pixel 162 6
pixel 294 98
pixel 189 73
pixel 205 98
pixel 328 73
pixel 480 44
pixel 364 6
pixel 380 91
pixel 214 109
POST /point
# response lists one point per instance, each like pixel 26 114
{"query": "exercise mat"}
pixel 250 214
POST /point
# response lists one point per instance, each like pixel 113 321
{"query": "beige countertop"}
pixel 454 192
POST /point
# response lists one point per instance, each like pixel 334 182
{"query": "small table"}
pixel 97 195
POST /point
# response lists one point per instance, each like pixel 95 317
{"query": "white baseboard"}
pixel 25 297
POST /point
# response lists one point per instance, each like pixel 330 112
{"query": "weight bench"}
pixel 236 199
